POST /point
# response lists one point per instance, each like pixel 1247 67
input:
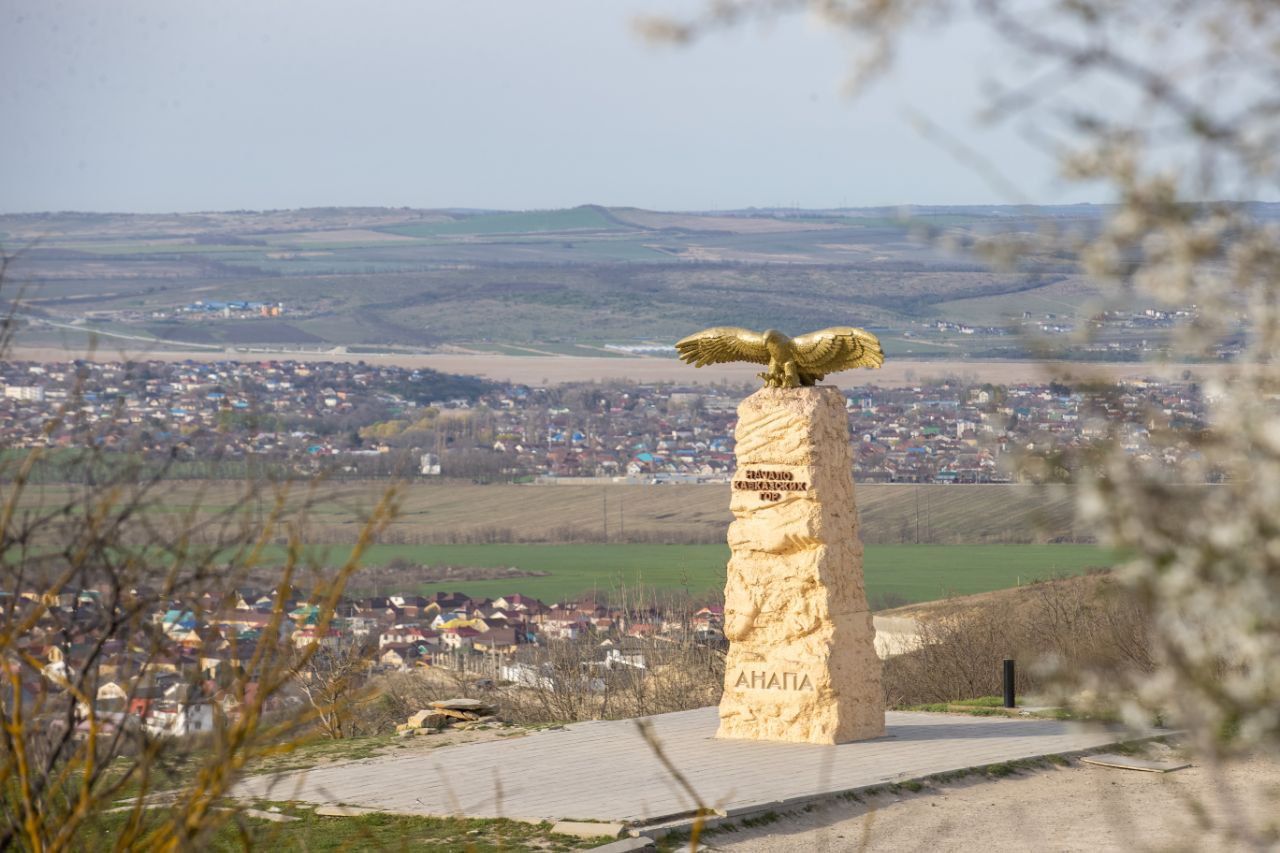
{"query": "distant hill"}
pixel 559 279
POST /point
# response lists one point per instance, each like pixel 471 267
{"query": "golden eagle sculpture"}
pixel 792 362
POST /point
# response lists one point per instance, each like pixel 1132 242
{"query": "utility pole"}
pixel 604 511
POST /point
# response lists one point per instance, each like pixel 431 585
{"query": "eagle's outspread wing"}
pixel 837 348
pixel 721 344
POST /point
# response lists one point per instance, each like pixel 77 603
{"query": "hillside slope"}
pixel 378 277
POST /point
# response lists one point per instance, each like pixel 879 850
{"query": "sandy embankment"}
pixel 549 370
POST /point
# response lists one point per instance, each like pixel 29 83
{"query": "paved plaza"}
pixel 606 771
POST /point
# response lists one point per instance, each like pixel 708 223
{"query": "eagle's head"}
pixel 773 336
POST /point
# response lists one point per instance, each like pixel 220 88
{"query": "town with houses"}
pixel 363 420
pixel 174 675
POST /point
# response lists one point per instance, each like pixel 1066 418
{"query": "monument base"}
pixel 802 665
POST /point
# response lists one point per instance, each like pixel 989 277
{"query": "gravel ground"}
pixel 1076 807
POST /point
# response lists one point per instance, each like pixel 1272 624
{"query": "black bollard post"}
pixel 1010 699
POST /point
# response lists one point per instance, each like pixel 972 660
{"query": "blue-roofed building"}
pixel 178 620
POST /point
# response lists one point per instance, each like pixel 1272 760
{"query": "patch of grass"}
pixel 676 839
pixel 1132 748
pixel 932 707
pixel 679 840
pixel 1091 716
pixel 323 750
pixel 761 820
pixel 985 706
pixel 312 832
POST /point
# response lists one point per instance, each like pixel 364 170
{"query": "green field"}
pixel 914 572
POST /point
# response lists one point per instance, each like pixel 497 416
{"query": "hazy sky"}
pixel 183 105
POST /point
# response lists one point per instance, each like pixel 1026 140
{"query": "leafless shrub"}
pixel 571 680
pixel 1053 629
pixel 592 675
pixel 1182 144
pixel 128 662
pixel 334 680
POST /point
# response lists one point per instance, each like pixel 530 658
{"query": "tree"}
pixel 82 573
pixel 1184 141
pixel 332 679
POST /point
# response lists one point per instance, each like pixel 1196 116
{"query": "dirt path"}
pixel 1072 808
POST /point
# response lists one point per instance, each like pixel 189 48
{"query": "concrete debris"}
pixel 459 713
pixel 1129 762
pixel 464 705
pixel 587 829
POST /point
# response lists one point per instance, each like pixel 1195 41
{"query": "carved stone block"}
pixel 802 665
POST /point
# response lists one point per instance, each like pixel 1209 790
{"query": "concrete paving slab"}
pixel 605 771
pixel 583 829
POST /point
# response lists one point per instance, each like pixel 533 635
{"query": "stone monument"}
pixel 802 665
